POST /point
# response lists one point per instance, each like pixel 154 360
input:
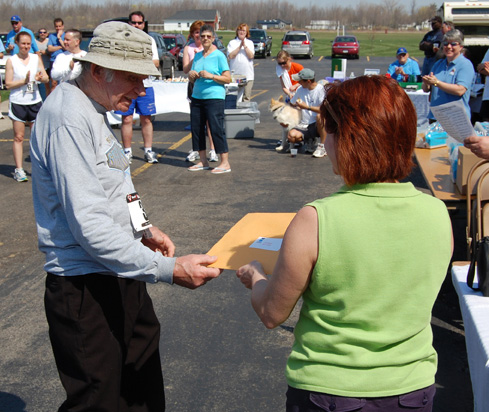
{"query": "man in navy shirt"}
pixel 431 44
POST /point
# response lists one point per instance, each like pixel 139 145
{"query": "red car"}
pixel 174 42
pixel 346 46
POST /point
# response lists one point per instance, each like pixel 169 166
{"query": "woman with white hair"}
pixel 450 78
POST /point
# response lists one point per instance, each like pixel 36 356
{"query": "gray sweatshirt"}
pixel 80 179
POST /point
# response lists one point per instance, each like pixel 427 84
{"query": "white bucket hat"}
pixel 119 46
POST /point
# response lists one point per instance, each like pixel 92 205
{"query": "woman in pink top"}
pixel 188 56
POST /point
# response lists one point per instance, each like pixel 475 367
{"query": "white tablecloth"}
pixel 421 101
pixel 169 97
pixel 475 313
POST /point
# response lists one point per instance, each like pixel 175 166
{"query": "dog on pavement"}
pixel 288 117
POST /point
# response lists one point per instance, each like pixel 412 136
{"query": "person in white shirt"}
pixel 145 105
pixel 241 52
pixel 64 67
pixel 308 97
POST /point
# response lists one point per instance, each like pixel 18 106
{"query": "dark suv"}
pixel 262 42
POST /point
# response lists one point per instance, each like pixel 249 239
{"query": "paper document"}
pixel 257 236
pixel 453 118
pixel 267 243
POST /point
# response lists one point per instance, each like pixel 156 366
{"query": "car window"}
pixel 257 34
pixel 295 37
pixel 170 42
pixel 346 39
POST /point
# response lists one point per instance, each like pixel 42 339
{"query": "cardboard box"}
pixel 466 160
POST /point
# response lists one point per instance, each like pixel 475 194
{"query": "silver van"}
pixel 298 43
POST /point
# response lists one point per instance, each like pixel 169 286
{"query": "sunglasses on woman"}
pixel 453 43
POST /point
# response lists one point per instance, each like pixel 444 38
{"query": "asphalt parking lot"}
pixel 216 354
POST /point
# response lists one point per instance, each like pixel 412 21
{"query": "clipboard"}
pixel 233 249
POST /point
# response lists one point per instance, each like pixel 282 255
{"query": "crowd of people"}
pixel 342 254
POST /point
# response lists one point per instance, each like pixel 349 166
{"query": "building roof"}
pixel 273 21
pixel 205 15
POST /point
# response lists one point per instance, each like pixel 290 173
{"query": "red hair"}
pixel 195 26
pixel 375 137
pixel 243 26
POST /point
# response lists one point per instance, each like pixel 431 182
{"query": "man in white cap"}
pixel 403 66
pixel 308 98
pixel 100 248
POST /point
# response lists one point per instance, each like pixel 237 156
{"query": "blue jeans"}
pixel 212 111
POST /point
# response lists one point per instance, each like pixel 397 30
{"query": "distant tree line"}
pixel 80 14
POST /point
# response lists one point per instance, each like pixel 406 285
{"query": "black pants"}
pixel 299 400
pixel 105 339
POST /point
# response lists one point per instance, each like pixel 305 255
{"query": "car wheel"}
pixel 333 55
pixel 357 56
pixel 264 54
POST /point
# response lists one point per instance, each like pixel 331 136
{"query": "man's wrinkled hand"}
pixel 159 242
pixel 191 272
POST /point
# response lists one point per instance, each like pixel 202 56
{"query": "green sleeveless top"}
pixel 364 328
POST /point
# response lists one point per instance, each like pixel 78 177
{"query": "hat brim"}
pixel 136 66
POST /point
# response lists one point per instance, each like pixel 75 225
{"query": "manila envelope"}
pixel 233 250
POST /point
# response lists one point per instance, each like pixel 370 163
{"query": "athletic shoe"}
pixel 150 157
pixel 320 151
pixel 192 156
pixel 129 156
pixel 20 175
pixel 213 156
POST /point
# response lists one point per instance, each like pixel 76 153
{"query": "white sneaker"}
pixel 20 175
pixel 151 157
pixel 320 151
pixel 213 156
pixel 192 156
pixel 129 156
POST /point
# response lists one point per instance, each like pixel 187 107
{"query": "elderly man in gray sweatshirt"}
pixel 100 247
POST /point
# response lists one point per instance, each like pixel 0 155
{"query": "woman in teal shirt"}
pixel 368 262
pixel 209 73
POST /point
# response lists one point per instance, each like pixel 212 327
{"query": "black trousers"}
pixel 105 338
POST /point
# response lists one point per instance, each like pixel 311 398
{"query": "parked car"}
pixel 345 46
pixel 86 38
pixel 3 61
pixel 217 42
pixel 298 43
pixel 168 62
pixel 262 42
pixel 174 43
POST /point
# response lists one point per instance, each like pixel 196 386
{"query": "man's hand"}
pixel 160 242
pixel 479 145
pixel 191 272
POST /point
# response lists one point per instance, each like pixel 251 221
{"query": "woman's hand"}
pixel 206 75
pixel 251 273
pixel 193 75
pixel 27 77
pixel 430 79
